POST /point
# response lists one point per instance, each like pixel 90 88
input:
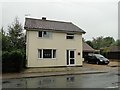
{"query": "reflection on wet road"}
pixel 104 80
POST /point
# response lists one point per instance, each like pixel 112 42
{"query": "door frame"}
pixel 68 58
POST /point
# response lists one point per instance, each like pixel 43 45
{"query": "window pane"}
pixel 45 34
pixel 72 61
pixel 54 53
pixel 67 57
pixel 39 53
pixel 40 33
pixel 70 37
pixel 47 53
pixel 71 54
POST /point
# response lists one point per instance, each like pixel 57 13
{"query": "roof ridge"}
pixel 49 20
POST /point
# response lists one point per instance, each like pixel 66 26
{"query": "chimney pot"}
pixel 43 18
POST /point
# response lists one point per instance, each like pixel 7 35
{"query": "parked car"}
pixel 96 58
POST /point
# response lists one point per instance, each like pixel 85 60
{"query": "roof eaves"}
pixel 37 29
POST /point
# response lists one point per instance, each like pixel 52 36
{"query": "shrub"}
pixel 12 61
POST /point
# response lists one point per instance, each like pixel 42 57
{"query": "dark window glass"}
pixel 71 61
pixel 47 53
pixel 44 32
pixel 40 33
pixel 40 53
pixel 70 79
pixel 70 36
pixel 54 53
pixel 67 57
pixel 71 54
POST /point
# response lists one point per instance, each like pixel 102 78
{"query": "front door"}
pixel 70 57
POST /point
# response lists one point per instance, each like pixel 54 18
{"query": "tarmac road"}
pixel 106 80
pixel 99 80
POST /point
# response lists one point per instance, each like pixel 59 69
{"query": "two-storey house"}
pixel 53 43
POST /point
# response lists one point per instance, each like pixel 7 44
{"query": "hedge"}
pixel 12 61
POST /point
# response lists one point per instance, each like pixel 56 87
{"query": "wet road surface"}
pixel 99 80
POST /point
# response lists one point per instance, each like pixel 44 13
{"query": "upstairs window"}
pixel 40 33
pixel 43 34
pixel 69 36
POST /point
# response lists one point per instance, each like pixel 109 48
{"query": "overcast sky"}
pixel 95 17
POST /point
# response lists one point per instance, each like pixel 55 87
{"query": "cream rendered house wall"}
pixel 57 41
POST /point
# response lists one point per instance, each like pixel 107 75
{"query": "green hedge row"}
pixel 13 61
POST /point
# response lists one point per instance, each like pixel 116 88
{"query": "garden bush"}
pixel 12 61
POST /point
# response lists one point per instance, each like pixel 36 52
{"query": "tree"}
pixel 97 42
pixel 101 42
pixel 5 41
pixel 13 46
pixel 116 43
pixel 1 36
pixel 1 43
pixel 16 35
pixel 89 43
pixel 108 41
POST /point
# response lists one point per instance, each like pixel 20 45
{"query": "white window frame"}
pixel 42 53
pixel 68 34
pixel 48 34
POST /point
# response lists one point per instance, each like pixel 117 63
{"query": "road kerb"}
pixel 34 75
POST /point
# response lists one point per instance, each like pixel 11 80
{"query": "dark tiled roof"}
pixel 36 24
pixel 87 48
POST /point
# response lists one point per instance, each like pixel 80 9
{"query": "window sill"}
pixel 47 58
pixel 44 38
pixel 71 39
